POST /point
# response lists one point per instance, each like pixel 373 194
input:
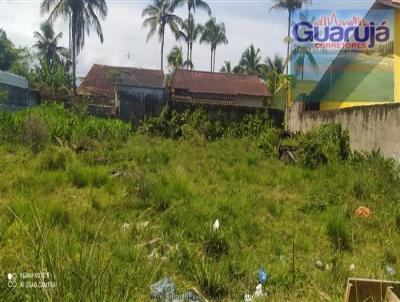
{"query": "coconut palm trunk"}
pixel 188 38
pixel 190 51
pixel 162 48
pixel 73 37
pixel 211 68
pixel 215 50
pixel 288 42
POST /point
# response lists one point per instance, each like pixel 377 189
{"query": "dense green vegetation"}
pixel 107 212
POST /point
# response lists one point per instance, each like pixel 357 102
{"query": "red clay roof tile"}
pixel 98 82
pixel 219 83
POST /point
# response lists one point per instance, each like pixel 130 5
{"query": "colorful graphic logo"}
pixel 342 56
pixel 330 31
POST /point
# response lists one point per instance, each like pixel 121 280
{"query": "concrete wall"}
pixel 18 98
pixel 250 101
pixel 134 103
pixel 370 127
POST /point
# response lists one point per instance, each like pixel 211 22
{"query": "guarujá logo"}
pixel 329 31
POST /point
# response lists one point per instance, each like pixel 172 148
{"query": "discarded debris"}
pixel 142 225
pixel 262 276
pixel 126 226
pixel 162 288
pixel 165 291
pixel 121 174
pixel 390 270
pixel 363 212
pixel 319 264
pixel 258 293
pixel 153 255
pixel 352 267
pixel 328 267
pixel 216 225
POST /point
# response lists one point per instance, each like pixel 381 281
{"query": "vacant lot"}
pixel 109 219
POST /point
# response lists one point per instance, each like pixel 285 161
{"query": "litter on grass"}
pixel 165 291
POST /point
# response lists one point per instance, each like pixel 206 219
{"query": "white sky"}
pixel 247 21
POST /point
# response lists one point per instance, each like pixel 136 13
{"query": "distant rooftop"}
pixel 99 80
pixel 13 80
pixel 219 83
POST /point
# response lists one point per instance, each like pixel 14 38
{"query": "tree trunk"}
pixel 215 50
pixel 211 69
pixel 162 49
pixel 287 69
pixel 188 39
pixel 73 36
pixel 288 43
pixel 191 52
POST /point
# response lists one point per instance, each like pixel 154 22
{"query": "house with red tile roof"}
pixel 219 89
pixel 135 92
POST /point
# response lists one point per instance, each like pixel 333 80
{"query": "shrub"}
pixel 328 143
pixel 78 176
pixel 55 158
pixel 11 126
pixel 98 177
pixel 383 168
pixel 52 121
pixel 3 95
pixel 192 123
pixel 270 141
pixel 212 281
pixel 216 246
pixel 35 133
pixel 338 234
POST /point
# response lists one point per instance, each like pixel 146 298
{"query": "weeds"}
pixel 35 133
pixel 147 193
pixel 216 246
pixel 189 124
pixel 60 218
pixel 338 234
pixel 326 144
pixel 211 280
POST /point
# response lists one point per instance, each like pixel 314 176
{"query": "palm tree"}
pixel 82 15
pixel 290 6
pixel 175 59
pixel 300 53
pixel 192 5
pixel 276 63
pixel 189 33
pixel 275 78
pixel 250 63
pixel 160 13
pixel 47 43
pixel 214 34
pixel 227 68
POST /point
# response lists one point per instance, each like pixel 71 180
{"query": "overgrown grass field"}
pixel 109 212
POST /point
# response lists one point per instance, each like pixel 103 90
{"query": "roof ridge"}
pixel 126 67
pixel 219 73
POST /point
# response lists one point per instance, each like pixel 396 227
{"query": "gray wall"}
pixel 370 127
pixel 18 98
pixel 134 103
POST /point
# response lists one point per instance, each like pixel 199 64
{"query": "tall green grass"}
pixel 110 218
